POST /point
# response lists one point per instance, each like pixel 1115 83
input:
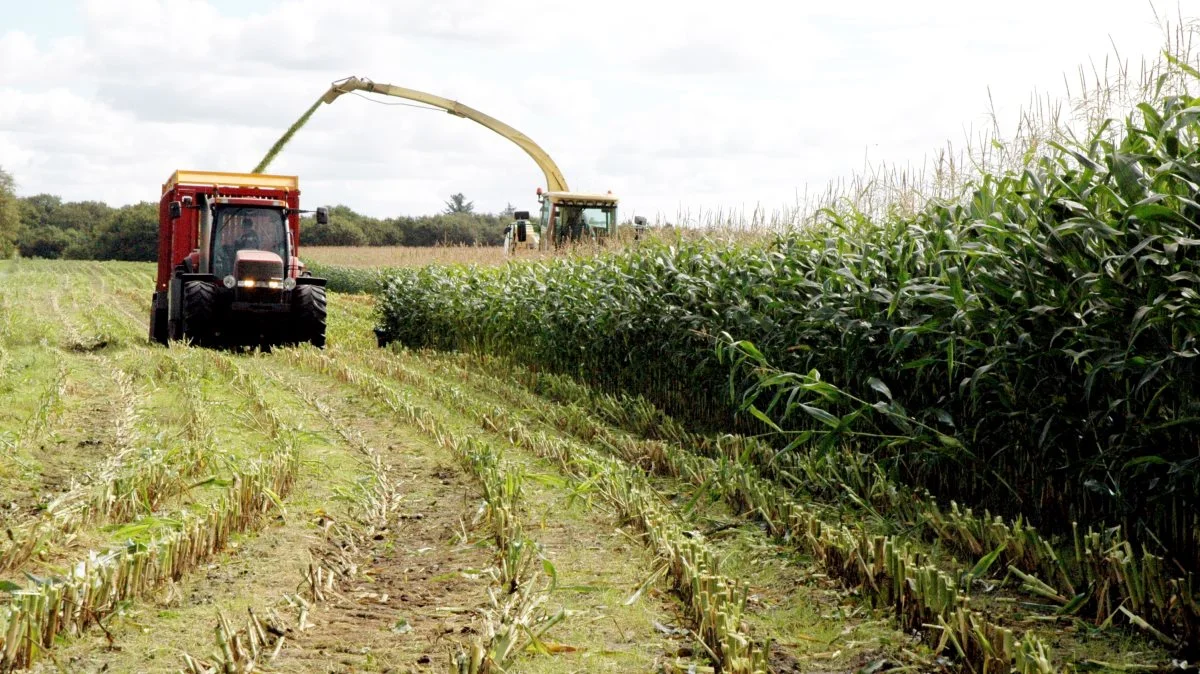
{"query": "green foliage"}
pixel 130 233
pixel 46 211
pixel 348 228
pixel 10 215
pixel 86 229
pixel 48 242
pixel 1031 349
pixel 345 228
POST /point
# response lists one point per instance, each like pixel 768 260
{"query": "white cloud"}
pixel 670 104
pixel 697 59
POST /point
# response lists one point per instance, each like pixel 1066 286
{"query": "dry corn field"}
pixel 404 256
pixel 358 509
pixel 374 257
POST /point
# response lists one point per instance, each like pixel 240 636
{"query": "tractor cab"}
pixel 569 217
pixel 242 234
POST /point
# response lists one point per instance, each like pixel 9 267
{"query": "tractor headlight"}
pixel 289 283
pixel 229 281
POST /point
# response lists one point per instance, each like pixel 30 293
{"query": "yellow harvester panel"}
pixel 231 180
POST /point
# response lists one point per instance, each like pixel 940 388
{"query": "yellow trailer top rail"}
pixel 182 177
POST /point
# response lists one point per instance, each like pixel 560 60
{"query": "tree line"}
pixel 457 225
pixel 45 226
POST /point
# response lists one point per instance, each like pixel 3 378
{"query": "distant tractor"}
pixel 520 235
pixel 228 271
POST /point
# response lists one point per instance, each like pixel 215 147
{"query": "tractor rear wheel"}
pixel 199 300
pixel 309 306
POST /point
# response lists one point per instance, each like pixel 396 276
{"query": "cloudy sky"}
pixel 673 105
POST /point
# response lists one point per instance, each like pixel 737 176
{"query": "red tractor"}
pixel 228 274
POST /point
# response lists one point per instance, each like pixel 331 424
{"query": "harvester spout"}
pixel 343 86
pixel 554 178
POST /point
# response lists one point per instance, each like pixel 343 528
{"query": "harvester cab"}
pixel 569 217
pixel 228 267
pixel 521 234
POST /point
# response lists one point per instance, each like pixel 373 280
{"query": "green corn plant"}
pixel 1031 335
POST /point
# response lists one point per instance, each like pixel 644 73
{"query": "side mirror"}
pixel 322 216
pixel 521 215
pixel 639 220
pixel 175 209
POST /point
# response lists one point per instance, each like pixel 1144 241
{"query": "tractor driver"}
pixel 247 237
pixel 575 225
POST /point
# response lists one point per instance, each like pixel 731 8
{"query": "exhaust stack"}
pixel 206 224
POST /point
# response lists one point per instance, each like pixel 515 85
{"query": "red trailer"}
pixel 228 267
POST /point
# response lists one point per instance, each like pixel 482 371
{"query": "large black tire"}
pixel 158 322
pixel 199 302
pixel 309 305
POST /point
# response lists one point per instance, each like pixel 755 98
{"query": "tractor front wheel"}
pixel 199 302
pixel 309 306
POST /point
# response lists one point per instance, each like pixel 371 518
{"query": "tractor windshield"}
pixel 575 222
pixel 246 228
